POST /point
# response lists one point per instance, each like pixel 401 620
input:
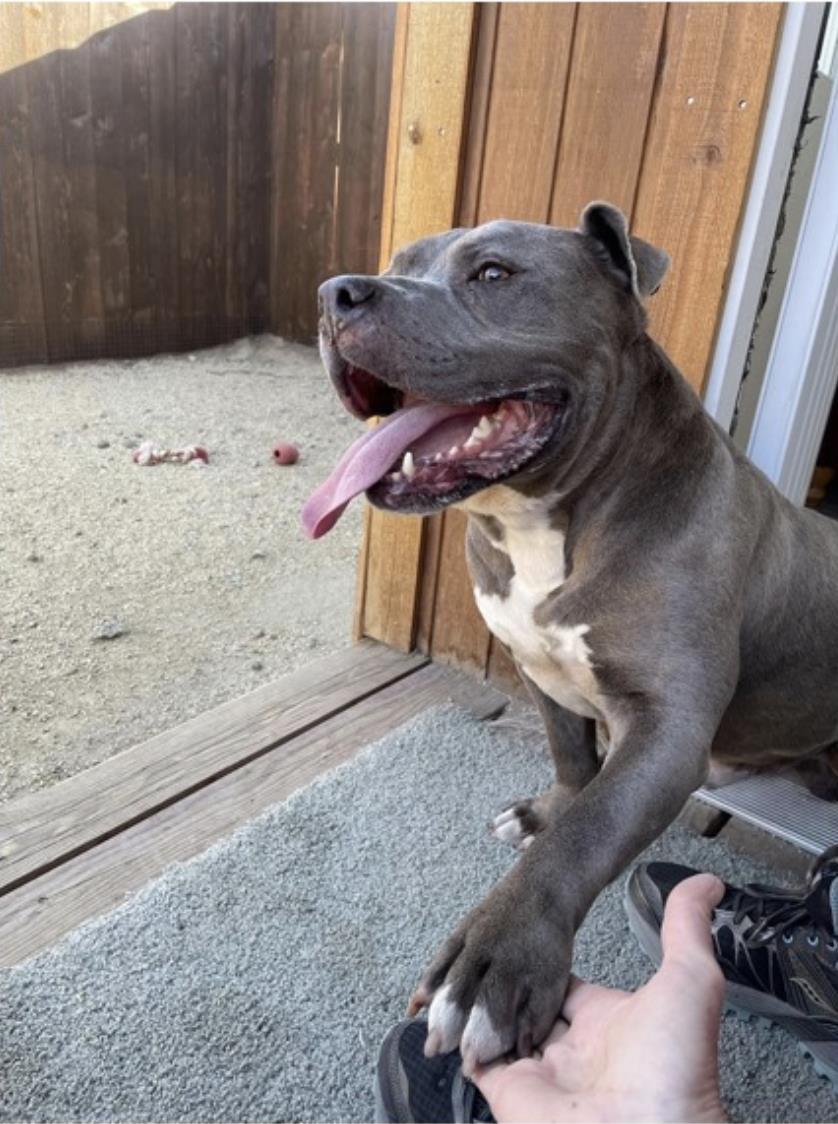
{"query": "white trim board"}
pixel 802 372
pixel 796 57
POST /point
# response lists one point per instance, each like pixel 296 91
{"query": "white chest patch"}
pixel 556 657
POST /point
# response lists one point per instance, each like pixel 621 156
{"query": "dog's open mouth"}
pixel 425 454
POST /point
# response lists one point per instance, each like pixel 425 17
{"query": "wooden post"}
pixel 431 63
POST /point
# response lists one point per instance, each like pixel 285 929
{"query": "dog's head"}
pixel 486 350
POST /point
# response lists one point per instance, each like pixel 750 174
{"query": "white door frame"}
pixel 796 57
pixel 802 372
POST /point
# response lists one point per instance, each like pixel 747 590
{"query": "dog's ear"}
pixel 641 265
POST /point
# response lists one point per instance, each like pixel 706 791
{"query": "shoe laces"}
pixel 776 912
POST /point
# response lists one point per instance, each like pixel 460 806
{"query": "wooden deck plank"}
pixel 48 827
pixel 41 911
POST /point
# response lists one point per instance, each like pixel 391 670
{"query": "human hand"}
pixel 619 1056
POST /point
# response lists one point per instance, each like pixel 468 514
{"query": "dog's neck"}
pixel 586 481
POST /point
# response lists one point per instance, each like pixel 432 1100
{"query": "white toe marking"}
pixel 507 828
pixel 481 1039
pixel 446 1018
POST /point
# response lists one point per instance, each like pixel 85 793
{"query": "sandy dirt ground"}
pixel 132 598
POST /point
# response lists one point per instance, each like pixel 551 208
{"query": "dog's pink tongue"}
pixel 367 460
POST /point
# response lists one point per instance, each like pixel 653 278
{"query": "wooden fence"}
pixel 181 177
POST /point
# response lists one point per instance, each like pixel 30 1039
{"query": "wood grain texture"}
pixel 155 184
pixel 606 113
pixel 163 187
pixel 392 578
pixel 46 827
pixel 460 635
pixel 52 184
pixel 436 71
pixel 697 162
pixel 420 198
pixel 136 155
pixel 428 574
pixel 22 316
pixel 364 104
pixel 40 912
pixel 529 77
pixel 106 89
pixel 487 20
pixel 394 126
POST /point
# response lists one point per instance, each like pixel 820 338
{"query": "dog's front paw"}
pixel 518 824
pixel 498 983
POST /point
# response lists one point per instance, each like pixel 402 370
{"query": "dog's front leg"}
pixel 499 981
pixel 572 741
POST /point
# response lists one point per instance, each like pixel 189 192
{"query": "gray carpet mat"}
pixel 256 982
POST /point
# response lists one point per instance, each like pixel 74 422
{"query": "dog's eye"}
pixel 491 271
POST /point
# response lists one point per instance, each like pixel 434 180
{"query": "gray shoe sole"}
pixel 746 1003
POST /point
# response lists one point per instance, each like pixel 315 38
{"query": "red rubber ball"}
pixel 285 453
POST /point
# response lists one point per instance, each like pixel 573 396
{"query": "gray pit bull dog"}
pixel 652 586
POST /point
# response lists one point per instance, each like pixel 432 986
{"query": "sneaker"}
pixel 411 1087
pixel 778 949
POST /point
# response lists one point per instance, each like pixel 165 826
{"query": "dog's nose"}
pixel 342 299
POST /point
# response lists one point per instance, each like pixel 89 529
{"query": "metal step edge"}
pixel 780 806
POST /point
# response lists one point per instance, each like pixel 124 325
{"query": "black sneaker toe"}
pixel 651 884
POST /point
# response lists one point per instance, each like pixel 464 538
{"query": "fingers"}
pixel 685 934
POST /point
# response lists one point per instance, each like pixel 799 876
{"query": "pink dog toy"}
pixel 149 453
pixel 285 453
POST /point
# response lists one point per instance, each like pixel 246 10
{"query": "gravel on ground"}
pixel 134 597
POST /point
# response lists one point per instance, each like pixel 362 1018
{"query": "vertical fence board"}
pixel 697 162
pixel 22 318
pixel 52 187
pixel 531 59
pixel 314 254
pixel 615 57
pixel 364 97
pixel 111 194
pixel 164 235
pixel 135 120
pixel 85 308
pixel 249 116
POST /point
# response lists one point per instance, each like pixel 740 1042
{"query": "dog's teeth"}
pixel 438 457
pixel 483 427
pixel 395 476
pixel 408 467
pixel 474 439
pixel 452 452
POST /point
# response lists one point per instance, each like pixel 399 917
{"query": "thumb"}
pixel 685 934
